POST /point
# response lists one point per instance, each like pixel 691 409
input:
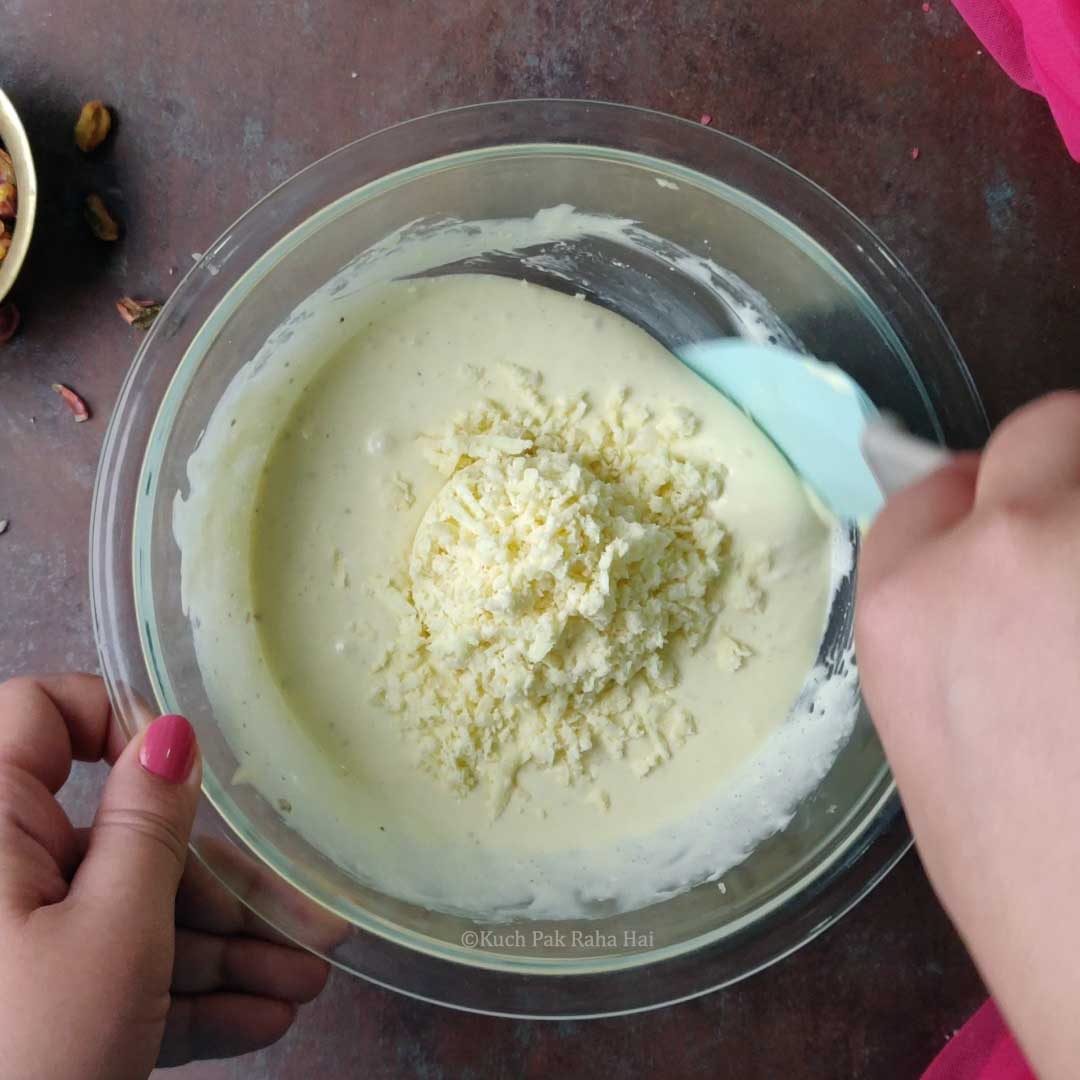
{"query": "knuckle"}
pixel 18 790
pixel 1055 412
pixel 12 785
pixel 1004 538
pixel 1065 403
pixel 16 688
pixel 147 825
pixel 228 961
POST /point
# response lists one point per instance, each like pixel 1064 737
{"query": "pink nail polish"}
pixel 168 748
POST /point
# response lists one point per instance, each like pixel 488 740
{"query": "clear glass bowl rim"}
pixel 886 837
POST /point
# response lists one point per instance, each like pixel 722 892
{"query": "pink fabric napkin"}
pixel 1037 42
pixel 983 1049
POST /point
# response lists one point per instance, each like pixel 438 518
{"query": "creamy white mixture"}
pixel 326 651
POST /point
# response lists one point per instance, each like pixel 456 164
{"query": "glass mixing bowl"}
pixel 826 276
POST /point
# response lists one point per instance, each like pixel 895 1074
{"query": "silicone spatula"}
pixel 820 419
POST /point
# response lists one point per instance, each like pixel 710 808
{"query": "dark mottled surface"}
pixel 217 103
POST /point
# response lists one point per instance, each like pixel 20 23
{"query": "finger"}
pixel 207 962
pixel 38 847
pixel 82 842
pixel 916 515
pixel 204 903
pixel 221 1025
pixel 138 841
pixel 47 721
pixel 1034 454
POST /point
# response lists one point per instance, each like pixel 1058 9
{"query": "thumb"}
pixel 138 842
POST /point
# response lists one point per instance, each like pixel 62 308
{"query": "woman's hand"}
pixel 117 952
pixel 968 635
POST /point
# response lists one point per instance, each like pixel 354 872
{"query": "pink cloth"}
pixel 983 1049
pixel 1037 42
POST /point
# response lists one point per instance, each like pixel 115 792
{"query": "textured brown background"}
pixel 218 102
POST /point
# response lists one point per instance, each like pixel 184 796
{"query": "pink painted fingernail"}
pixel 168 748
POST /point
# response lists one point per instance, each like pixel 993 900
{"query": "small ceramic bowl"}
pixel 13 136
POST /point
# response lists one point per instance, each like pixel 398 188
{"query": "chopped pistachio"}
pixel 102 224
pixel 92 127
pixel 138 313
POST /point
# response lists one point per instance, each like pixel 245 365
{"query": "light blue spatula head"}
pixel 813 412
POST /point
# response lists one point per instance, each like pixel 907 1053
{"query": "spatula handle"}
pixel 896 457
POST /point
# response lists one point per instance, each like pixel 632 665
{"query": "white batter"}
pixel 293 612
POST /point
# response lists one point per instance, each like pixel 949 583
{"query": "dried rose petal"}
pixel 102 224
pixel 5 241
pixel 7 168
pixel 73 402
pixel 9 321
pixel 7 200
pixel 706 118
pixel 138 313
pixel 92 127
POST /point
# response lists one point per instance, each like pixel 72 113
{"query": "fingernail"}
pixel 168 748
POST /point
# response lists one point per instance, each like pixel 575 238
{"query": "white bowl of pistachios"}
pixel 18 194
